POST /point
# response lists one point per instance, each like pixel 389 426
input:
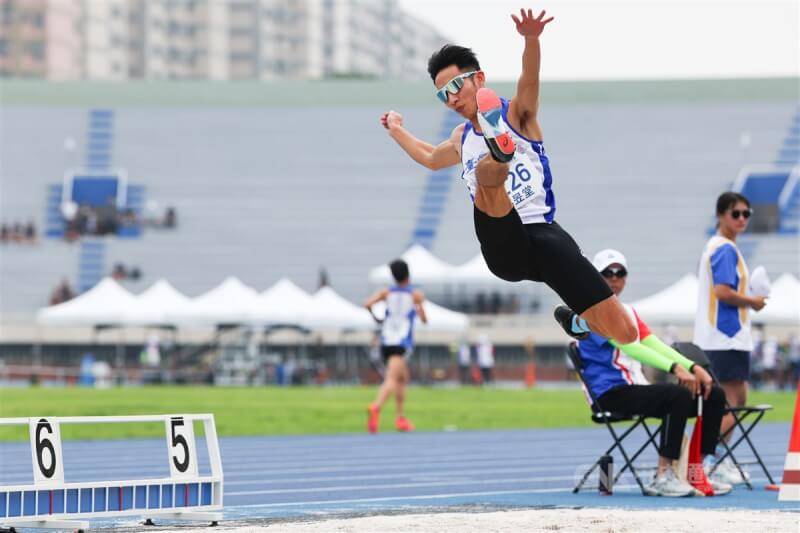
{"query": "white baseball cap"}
pixel 605 258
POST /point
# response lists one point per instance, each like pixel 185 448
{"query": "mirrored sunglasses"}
pixel 614 273
pixel 453 86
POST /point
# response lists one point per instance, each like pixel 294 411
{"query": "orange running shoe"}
pixel 495 133
pixel 403 424
pixel 373 417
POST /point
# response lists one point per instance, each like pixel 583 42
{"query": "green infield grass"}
pixel 311 410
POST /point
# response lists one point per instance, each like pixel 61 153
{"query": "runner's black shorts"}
pixel 391 351
pixel 540 252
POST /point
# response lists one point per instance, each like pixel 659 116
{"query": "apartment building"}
pixel 212 39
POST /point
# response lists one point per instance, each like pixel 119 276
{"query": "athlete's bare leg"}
pixel 491 197
pixel 736 394
pixel 609 319
pixel 400 391
pixel 394 375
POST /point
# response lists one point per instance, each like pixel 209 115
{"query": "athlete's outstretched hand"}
pixel 391 119
pixel 527 25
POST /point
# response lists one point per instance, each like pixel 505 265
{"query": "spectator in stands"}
pixel 722 325
pixel 119 273
pixel 134 273
pixel 613 372
pixel 17 233
pixel 62 293
pixel 403 304
pixel 5 233
pixel 30 232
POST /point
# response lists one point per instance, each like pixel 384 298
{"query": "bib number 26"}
pixel 519 176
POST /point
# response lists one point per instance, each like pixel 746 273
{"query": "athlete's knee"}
pixel 625 331
pixel 682 400
pixel 491 173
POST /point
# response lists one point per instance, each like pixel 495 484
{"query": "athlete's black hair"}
pixel 399 270
pixel 451 54
pixel 729 199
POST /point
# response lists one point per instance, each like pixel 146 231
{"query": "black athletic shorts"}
pixel 390 351
pixel 730 365
pixel 540 252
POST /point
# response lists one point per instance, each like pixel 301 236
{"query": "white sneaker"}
pixel 667 484
pixel 720 488
pixel 728 473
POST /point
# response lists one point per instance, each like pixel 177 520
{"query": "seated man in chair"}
pixel 616 379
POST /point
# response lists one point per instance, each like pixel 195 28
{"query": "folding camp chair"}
pixel 745 418
pixel 608 418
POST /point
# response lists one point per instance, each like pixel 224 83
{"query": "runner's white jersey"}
pixel 529 182
pixel 398 325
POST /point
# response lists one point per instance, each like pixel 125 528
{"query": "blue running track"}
pixel 284 477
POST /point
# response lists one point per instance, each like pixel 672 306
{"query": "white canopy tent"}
pixel 476 272
pixel 282 304
pixel 103 305
pixel 442 319
pixel 676 304
pixel 230 302
pixel 783 305
pixel 154 306
pixel 424 267
pixel 331 311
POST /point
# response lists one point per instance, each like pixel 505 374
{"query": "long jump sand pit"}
pixel 536 520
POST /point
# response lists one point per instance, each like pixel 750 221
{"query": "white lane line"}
pixel 401 498
pixel 414 474
pixel 421 497
pixel 456 482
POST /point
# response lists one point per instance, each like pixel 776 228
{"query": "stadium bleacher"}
pixel 267 189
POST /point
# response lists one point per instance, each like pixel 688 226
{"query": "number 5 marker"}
pixel 180 443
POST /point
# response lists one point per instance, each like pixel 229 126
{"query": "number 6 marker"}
pixel 48 467
pixel 180 443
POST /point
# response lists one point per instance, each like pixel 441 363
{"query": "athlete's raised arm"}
pixel 525 105
pixel 445 154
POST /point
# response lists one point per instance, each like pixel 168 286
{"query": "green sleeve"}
pixel 654 343
pixel 645 355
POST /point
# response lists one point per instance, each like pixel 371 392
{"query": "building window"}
pixel 36 50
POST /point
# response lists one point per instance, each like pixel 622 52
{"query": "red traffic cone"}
pixel 695 474
pixel 477 378
pixel 530 375
pixel 790 486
